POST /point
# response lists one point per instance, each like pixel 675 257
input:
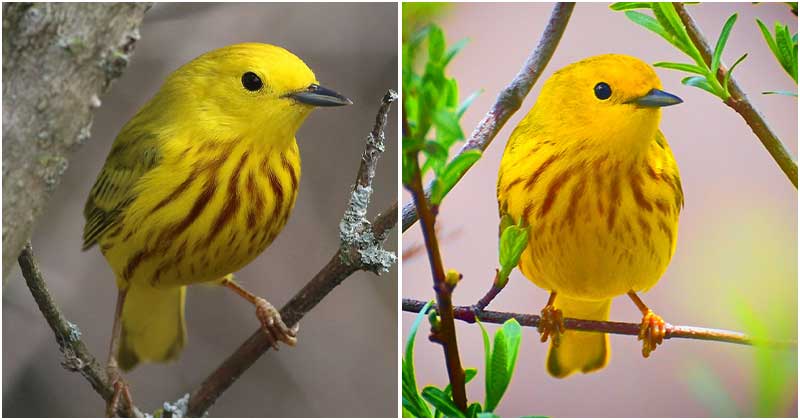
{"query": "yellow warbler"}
pixel 593 177
pixel 197 185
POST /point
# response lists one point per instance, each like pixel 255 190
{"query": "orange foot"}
pixel 121 392
pixel 551 324
pixel 273 325
pixel 651 332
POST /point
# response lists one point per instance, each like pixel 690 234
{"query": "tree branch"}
pixel 77 357
pixel 738 102
pixel 445 332
pixel 58 58
pixel 510 99
pixel 468 314
pixel 361 249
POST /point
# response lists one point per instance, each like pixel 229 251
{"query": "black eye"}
pixel 251 81
pixel 602 90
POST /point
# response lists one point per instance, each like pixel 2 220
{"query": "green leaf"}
pixel 436 44
pixel 723 39
pixel 689 68
pixel 437 398
pixel 487 415
pixel 452 94
pixel 768 37
pixel 447 127
pixel 513 332
pixel 780 92
pixel 411 397
pixel 453 173
pixel 784 42
pixel 407 413
pixel 487 357
pixel 699 82
pixel 454 49
pixel 513 241
pixel 650 23
pixel 467 102
pixel 730 71
pixel 627 5
pixel 499 378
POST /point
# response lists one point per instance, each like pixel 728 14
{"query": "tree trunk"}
pixel 58 58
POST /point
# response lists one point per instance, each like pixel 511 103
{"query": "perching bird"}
pixel 591 174
pixel 197 184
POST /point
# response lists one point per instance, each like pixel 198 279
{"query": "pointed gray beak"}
pixel 656 98
pixel 317 95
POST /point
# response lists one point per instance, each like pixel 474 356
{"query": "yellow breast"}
pixel 209 209
pixel 600 225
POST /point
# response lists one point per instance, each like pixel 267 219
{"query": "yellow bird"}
pixel 591 174
pixel 197 184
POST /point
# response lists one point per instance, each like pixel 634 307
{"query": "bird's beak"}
pixel 656 98
pixel 317 95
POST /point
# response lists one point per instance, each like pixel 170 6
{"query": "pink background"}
pixel 737 244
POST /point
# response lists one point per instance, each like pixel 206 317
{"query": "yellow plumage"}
pixel 596 181
pixel 198 184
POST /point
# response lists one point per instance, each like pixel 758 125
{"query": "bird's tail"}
pixel 579 350
pixel 153 326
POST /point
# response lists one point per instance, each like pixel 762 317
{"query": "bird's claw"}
pixel 273 325
pixel 651 332
pixel 551 325
pixel 121 392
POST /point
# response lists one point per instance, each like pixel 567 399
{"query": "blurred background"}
pixel 345 363
pixel 736 263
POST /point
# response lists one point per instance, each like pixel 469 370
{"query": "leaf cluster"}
pixel 784 47
pixel 432 113
pixel 500 358
pixel 666 23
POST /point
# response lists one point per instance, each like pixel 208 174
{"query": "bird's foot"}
pixel 552 324
pixel 121 398
pixel 273 325
pixel 651 332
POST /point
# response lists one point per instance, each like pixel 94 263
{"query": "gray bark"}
pixel 58 58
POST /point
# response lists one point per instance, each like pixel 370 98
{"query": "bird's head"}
pixel 614 99
pixel 249 89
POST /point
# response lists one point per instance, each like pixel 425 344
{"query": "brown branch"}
pixel 510 99
pixel 361 249
pixel 77 357
pixel 445 332
pixel 738 102
pixel 468 314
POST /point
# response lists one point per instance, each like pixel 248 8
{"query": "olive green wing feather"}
pixel 132 156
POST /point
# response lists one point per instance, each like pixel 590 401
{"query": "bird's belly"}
pixel 589 257
pixel 212 228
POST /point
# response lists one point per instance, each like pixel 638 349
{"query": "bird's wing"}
pixel 132 156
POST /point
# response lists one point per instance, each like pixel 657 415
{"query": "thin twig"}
pixel 510 99
pixel 77 357
pixel 361 249
pixel 468 314
pixel 445 332
pixel 738 102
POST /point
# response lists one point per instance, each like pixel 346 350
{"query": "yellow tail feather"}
pixel 578 350
pixel 153 326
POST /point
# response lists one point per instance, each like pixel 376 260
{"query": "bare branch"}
pixel 468 314
pixel 510 99
pixel 361 249
pixel 738 102
pixel 77 357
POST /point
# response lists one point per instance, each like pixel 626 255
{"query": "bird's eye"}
pixel 602 90
pixel 251 81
